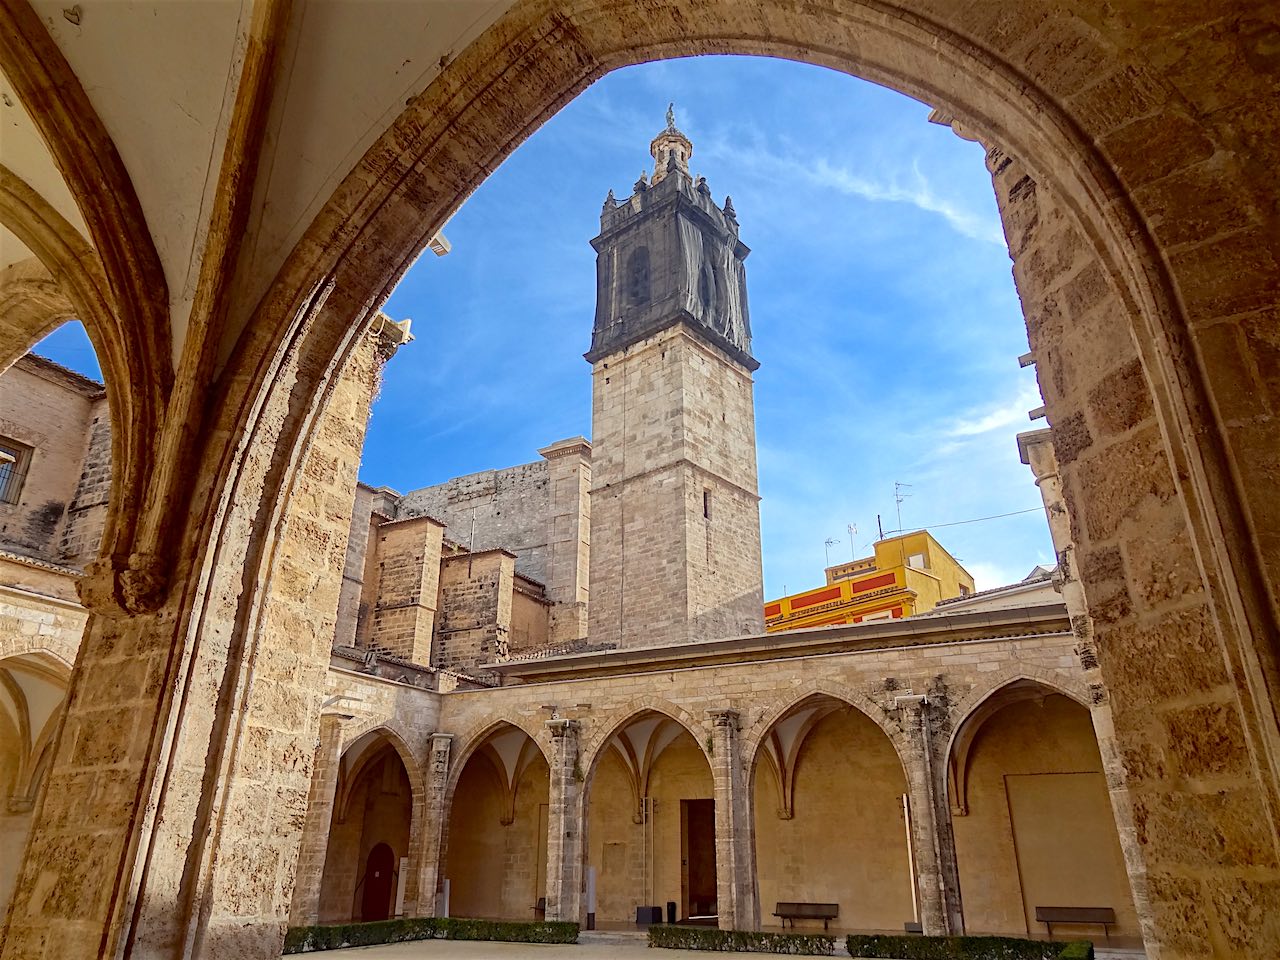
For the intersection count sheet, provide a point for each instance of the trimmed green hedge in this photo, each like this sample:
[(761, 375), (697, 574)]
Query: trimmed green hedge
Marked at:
[(965, 948), (308, 939), (740, 941)]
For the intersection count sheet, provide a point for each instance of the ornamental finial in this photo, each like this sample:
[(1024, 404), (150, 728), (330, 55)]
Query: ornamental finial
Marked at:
[(671, 116)]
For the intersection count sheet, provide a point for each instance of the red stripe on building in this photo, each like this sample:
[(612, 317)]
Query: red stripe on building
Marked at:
[(832, 593), (838, 618), (773, 609), (884, 580), (897, 612)]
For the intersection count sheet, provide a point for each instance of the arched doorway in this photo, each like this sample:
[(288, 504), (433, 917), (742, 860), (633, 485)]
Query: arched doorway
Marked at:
[(380, 874), (831, 818), (369, 834), (495, 858), (1031, 815), (651, 822)]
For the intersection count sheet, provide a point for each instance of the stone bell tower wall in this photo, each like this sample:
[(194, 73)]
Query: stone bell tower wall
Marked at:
[(675, 554)]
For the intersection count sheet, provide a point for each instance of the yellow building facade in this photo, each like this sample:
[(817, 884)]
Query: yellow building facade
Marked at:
[(907, 574)]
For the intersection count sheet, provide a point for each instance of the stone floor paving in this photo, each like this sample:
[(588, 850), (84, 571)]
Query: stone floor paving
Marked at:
[(597, 945)]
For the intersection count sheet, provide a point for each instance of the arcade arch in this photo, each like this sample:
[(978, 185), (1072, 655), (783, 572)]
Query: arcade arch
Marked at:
[(825, 762), (367, 856), (651, 827), (1030, 813), (496, 840), (33, 689)]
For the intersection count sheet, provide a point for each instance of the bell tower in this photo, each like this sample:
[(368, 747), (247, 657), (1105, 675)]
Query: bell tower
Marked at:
[(675, 515)]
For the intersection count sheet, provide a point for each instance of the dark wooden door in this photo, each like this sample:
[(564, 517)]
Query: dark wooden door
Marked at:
[(698, 843)]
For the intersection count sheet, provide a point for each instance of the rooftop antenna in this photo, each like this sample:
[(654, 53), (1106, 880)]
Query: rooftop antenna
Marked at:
[(828, 545), (853, 533), (898, 497)]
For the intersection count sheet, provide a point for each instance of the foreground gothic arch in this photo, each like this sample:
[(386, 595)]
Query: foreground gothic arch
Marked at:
[(1115, 135)]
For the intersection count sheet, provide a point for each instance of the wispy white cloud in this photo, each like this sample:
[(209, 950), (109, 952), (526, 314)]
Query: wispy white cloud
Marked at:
[(747, 147), (916, 191), (980, 420)]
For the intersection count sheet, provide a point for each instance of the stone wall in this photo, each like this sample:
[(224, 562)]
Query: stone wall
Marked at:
[(87, 512), (48, 409), (1178, 753), (474, 623), (404, 591), (569, 535), (530, 617), (675, 514), (492, 510)]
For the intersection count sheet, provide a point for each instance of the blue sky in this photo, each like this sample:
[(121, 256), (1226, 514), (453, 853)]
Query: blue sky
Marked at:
[(882, 306)]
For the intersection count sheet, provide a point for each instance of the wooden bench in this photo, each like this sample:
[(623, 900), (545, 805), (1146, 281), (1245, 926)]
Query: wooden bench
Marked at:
[(1100, 915), (806, 911)]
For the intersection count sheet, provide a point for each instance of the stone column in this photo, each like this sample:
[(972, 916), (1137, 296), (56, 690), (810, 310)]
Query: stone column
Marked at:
[(305, 908), (566, 820), (933, 849), (738, 899), (426, 841)]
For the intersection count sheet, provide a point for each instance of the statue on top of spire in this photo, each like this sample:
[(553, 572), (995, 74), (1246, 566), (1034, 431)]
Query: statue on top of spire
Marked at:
[(670, 149)]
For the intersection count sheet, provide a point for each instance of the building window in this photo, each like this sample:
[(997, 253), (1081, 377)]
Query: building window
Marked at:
[(15, 458), (638, 276), (706, 504)]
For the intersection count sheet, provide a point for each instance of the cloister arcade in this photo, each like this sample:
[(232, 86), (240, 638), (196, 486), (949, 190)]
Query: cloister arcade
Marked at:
[(1023, 813)]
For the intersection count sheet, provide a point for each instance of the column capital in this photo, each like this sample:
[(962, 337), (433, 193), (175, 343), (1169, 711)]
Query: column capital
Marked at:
[(724, 717), (562, 727)]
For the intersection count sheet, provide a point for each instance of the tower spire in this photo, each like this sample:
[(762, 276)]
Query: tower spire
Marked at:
[(670, 146)]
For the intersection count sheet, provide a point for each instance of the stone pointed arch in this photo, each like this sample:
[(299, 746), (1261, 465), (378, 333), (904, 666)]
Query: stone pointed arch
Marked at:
[(1069, 684), (60, 647), (966, 719), (622, 717), (393, 739), (753, 736), (32, 305), (476, 738), (90, 164), (80, 276), (1033, 99)]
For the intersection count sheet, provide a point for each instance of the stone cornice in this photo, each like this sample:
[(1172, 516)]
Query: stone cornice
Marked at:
[(979, 626)]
